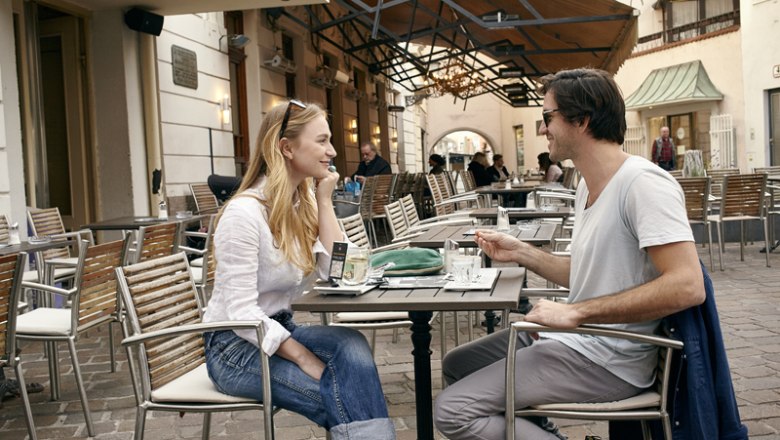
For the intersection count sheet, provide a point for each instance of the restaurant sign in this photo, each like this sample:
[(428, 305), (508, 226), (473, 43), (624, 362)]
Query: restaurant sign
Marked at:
[(185, 67)]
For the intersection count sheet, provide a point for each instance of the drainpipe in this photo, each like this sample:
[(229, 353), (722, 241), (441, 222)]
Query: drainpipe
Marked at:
[(151, 109)]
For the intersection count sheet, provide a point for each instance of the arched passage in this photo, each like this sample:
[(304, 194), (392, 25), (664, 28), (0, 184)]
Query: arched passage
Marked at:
[(459, 144)]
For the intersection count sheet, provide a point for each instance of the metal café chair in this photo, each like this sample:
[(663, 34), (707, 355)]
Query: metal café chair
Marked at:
[(11, 268), (164, 326), (649, 405), (93, 302)]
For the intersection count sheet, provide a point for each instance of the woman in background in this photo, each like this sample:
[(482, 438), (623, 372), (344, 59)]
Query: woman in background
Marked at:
[(273, 238), (552, 172)]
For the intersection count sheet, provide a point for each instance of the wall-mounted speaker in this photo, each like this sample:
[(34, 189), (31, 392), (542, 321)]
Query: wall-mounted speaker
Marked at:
[(144, 21)]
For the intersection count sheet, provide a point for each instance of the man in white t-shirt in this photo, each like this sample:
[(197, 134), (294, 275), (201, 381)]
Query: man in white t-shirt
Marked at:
[(633, 261)]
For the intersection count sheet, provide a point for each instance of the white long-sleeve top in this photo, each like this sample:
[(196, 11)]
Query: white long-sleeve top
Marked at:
[(253, 279)]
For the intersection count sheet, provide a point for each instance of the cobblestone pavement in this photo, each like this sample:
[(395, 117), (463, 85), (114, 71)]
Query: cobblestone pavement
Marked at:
[(748, 295)]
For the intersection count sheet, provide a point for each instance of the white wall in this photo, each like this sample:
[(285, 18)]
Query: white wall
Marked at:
[(760, 52), (721, 58), (186, 114), (12, 201)]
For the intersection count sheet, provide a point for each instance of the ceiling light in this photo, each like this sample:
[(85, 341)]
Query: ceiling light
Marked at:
[(511, 72)]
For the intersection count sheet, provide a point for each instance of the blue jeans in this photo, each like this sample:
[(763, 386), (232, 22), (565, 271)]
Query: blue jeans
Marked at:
[(347, 400)]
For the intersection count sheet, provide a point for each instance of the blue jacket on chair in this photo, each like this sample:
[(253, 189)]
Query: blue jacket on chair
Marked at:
[(702, 405)]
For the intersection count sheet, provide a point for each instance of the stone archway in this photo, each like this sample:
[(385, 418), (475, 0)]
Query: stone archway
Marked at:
[(438, 137)]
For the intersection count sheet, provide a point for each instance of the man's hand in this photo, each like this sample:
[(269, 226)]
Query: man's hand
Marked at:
[(361, 179), (555, 315), (499, 246)]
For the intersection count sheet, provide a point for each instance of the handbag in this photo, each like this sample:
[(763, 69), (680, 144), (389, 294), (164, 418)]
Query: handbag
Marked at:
[(409, 261)]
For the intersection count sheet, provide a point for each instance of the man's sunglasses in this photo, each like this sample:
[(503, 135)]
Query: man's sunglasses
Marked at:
[(286, 118), (547, 116)]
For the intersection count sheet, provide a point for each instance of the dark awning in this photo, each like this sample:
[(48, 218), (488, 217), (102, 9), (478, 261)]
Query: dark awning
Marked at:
[(679, 84)]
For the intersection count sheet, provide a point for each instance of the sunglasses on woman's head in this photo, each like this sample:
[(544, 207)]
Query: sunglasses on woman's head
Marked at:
[(286, 118)]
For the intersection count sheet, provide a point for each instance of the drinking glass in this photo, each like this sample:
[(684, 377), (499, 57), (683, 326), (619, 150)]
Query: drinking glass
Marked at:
[(355, 267)]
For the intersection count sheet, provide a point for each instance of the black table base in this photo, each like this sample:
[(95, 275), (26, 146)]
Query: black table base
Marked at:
[(421, 340)]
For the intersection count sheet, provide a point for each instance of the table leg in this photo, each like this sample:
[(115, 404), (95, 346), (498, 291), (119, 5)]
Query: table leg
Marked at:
[(421, 340)]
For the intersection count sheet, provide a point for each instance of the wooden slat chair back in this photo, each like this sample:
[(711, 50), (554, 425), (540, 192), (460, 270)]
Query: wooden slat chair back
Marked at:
[(205, 200), (743, 195), (404, 184), (422, 201), (48, 222), (437, 196), (467, 179), (163, 295), (743, 199), (381, 194), (410, 211), (697, 204), (366, 194), (3, 229), (716, 184), (649, 405), (157, 241), (677, 174), (97, 299), (11, 269), (355, 229), (394, 213)]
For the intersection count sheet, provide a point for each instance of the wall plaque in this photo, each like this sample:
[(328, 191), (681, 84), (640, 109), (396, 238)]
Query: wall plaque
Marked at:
[(185, 67)]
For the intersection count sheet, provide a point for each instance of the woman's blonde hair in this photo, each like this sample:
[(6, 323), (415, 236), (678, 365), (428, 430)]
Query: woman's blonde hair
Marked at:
[(294, 230)]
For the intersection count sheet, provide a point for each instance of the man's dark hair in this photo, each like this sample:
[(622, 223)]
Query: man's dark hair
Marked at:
[(544, 160), (497, 157), (438, 159), (591, 94)]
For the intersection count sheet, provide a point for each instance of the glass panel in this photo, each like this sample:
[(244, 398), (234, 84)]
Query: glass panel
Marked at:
[(774, 126)]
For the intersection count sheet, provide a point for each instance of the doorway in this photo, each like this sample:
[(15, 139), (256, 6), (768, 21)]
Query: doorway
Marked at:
[(63, 177), (774, 126)]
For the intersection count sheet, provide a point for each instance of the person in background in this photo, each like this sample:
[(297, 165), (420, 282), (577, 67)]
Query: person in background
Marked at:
[(552, 171), (272, 240), (498, 171), (664, 153), (436, 162), (633, 261), (478, 169), (372, 164)]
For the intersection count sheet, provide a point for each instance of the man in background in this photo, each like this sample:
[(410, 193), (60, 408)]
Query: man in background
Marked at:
[(664, 152), (372, 163)]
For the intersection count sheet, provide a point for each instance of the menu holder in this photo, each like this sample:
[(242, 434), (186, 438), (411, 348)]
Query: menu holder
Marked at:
[(344, 290), (485, 280)]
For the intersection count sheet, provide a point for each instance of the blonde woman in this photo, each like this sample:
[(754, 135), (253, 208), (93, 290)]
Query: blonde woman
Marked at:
[(273, 237)]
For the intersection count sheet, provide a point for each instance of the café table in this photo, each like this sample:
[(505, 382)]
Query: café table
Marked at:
[(135, 222), (537, 235), (38, 246), (420, 303), (561, 212)]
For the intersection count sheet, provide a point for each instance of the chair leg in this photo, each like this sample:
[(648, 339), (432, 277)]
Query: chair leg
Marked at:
[(111, 348), (741, 240), (140, 422), (767, 242), (50, 347), (667, 425), (206, 425), (456, 318), (709, 239), (720, 244), (25, 400), (80, 384)]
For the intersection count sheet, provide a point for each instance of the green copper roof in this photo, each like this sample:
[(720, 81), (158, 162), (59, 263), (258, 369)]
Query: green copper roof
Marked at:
[(687, 82)]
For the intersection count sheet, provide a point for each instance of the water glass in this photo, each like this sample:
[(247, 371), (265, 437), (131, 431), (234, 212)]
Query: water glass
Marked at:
[(355, 267), (465, 268)]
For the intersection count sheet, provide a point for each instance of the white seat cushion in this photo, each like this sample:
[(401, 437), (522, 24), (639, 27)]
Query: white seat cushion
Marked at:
[(198, 262), (32, 275), (44, 321), (194, 386), (647, 399), (197, 274)]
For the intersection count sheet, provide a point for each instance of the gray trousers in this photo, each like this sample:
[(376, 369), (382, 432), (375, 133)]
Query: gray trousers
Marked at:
[(472, 406)]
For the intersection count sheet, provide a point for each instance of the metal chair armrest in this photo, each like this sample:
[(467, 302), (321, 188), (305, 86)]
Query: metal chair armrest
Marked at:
[(190, 250), (68, 293), (391, 246), (596, 330), (194, 328)]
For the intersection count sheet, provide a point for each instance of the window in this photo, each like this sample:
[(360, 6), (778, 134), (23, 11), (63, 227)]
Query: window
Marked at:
[(688, 19), (288, 52)]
